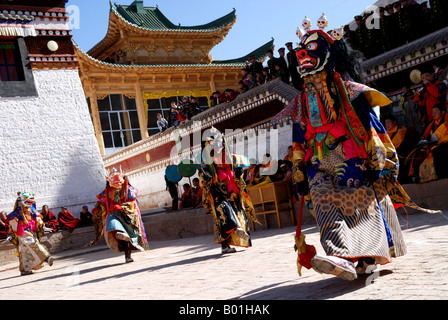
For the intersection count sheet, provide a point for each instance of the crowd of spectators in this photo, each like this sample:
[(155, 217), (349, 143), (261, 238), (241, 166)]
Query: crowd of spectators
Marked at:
[(395, 25), (419, 130), (65, 220), (191, 197), (254, 74)]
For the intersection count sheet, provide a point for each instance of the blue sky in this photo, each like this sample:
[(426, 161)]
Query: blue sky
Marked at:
[(257, 21)]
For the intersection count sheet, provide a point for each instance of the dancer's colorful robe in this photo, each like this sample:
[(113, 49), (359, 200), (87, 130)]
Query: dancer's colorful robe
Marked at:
[(26, 228), (347, 170), (224, 196), (118, 211)]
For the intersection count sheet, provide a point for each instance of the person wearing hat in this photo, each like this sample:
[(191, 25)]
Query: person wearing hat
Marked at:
[(359, 35), (283, 63), (271, 62), (401, 31), (413, 18), (293, 64), (373, 36), (390, 24), (439, 10), (383, 31), (255, 67)]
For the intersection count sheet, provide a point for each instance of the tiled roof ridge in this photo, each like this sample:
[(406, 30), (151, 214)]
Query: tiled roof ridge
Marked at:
[(217, 24), (259, 53)]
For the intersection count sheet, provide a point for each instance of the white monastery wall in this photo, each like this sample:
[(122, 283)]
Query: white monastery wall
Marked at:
[(48, 145)]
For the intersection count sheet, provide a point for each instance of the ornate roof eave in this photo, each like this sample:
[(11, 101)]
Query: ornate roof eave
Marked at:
[(217, 24), (116, 20), (111, 67), (112, 36), (259, 53)]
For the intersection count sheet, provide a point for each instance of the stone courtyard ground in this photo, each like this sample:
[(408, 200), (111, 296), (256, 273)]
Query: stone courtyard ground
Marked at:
[(193, 269)]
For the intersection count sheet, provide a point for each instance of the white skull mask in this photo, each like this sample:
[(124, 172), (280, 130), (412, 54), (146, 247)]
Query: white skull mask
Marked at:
[(337, 33), (322, 22), (306, 24)]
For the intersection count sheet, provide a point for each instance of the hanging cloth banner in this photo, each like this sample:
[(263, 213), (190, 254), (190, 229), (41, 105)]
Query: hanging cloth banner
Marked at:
[(17, 25)]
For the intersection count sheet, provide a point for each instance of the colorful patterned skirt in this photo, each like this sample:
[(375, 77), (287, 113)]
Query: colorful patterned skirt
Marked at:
[(128, 224), (356, 219), (32, 254), (227, 218)]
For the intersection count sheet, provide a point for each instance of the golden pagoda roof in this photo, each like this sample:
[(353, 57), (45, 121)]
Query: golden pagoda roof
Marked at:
[(150, 23)]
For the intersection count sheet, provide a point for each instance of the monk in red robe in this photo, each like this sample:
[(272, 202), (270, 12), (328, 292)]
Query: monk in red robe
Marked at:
[(49, 219), (67, 220)]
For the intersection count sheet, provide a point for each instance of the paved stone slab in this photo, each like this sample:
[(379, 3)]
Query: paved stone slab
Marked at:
[(194, 269)]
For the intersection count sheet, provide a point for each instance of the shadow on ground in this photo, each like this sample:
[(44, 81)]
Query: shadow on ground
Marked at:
[(328, 288)]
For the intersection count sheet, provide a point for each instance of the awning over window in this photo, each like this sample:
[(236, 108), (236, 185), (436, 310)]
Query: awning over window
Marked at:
[(17, 25)]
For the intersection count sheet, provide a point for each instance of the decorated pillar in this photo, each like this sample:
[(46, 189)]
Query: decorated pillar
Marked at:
[(142, 116), (96, 119)]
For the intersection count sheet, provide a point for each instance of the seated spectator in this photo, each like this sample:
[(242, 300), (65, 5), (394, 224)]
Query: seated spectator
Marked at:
[(230, 95), (267, 171), (181, 115), (251, 81), (244, 73), (188, 199), (286, 170), (260, 78), (242, 87), (195, 107), (217, 98), (428, 161), (85, 217), (49, 219), (438, 71), (410, 110), (249, 174), (404, 140), (289, 155), (197, 192), (280, 73), (266, 75), (256, 178), (67, 221), (396, 133), (185, 101), (433, 92), (4, 225)]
